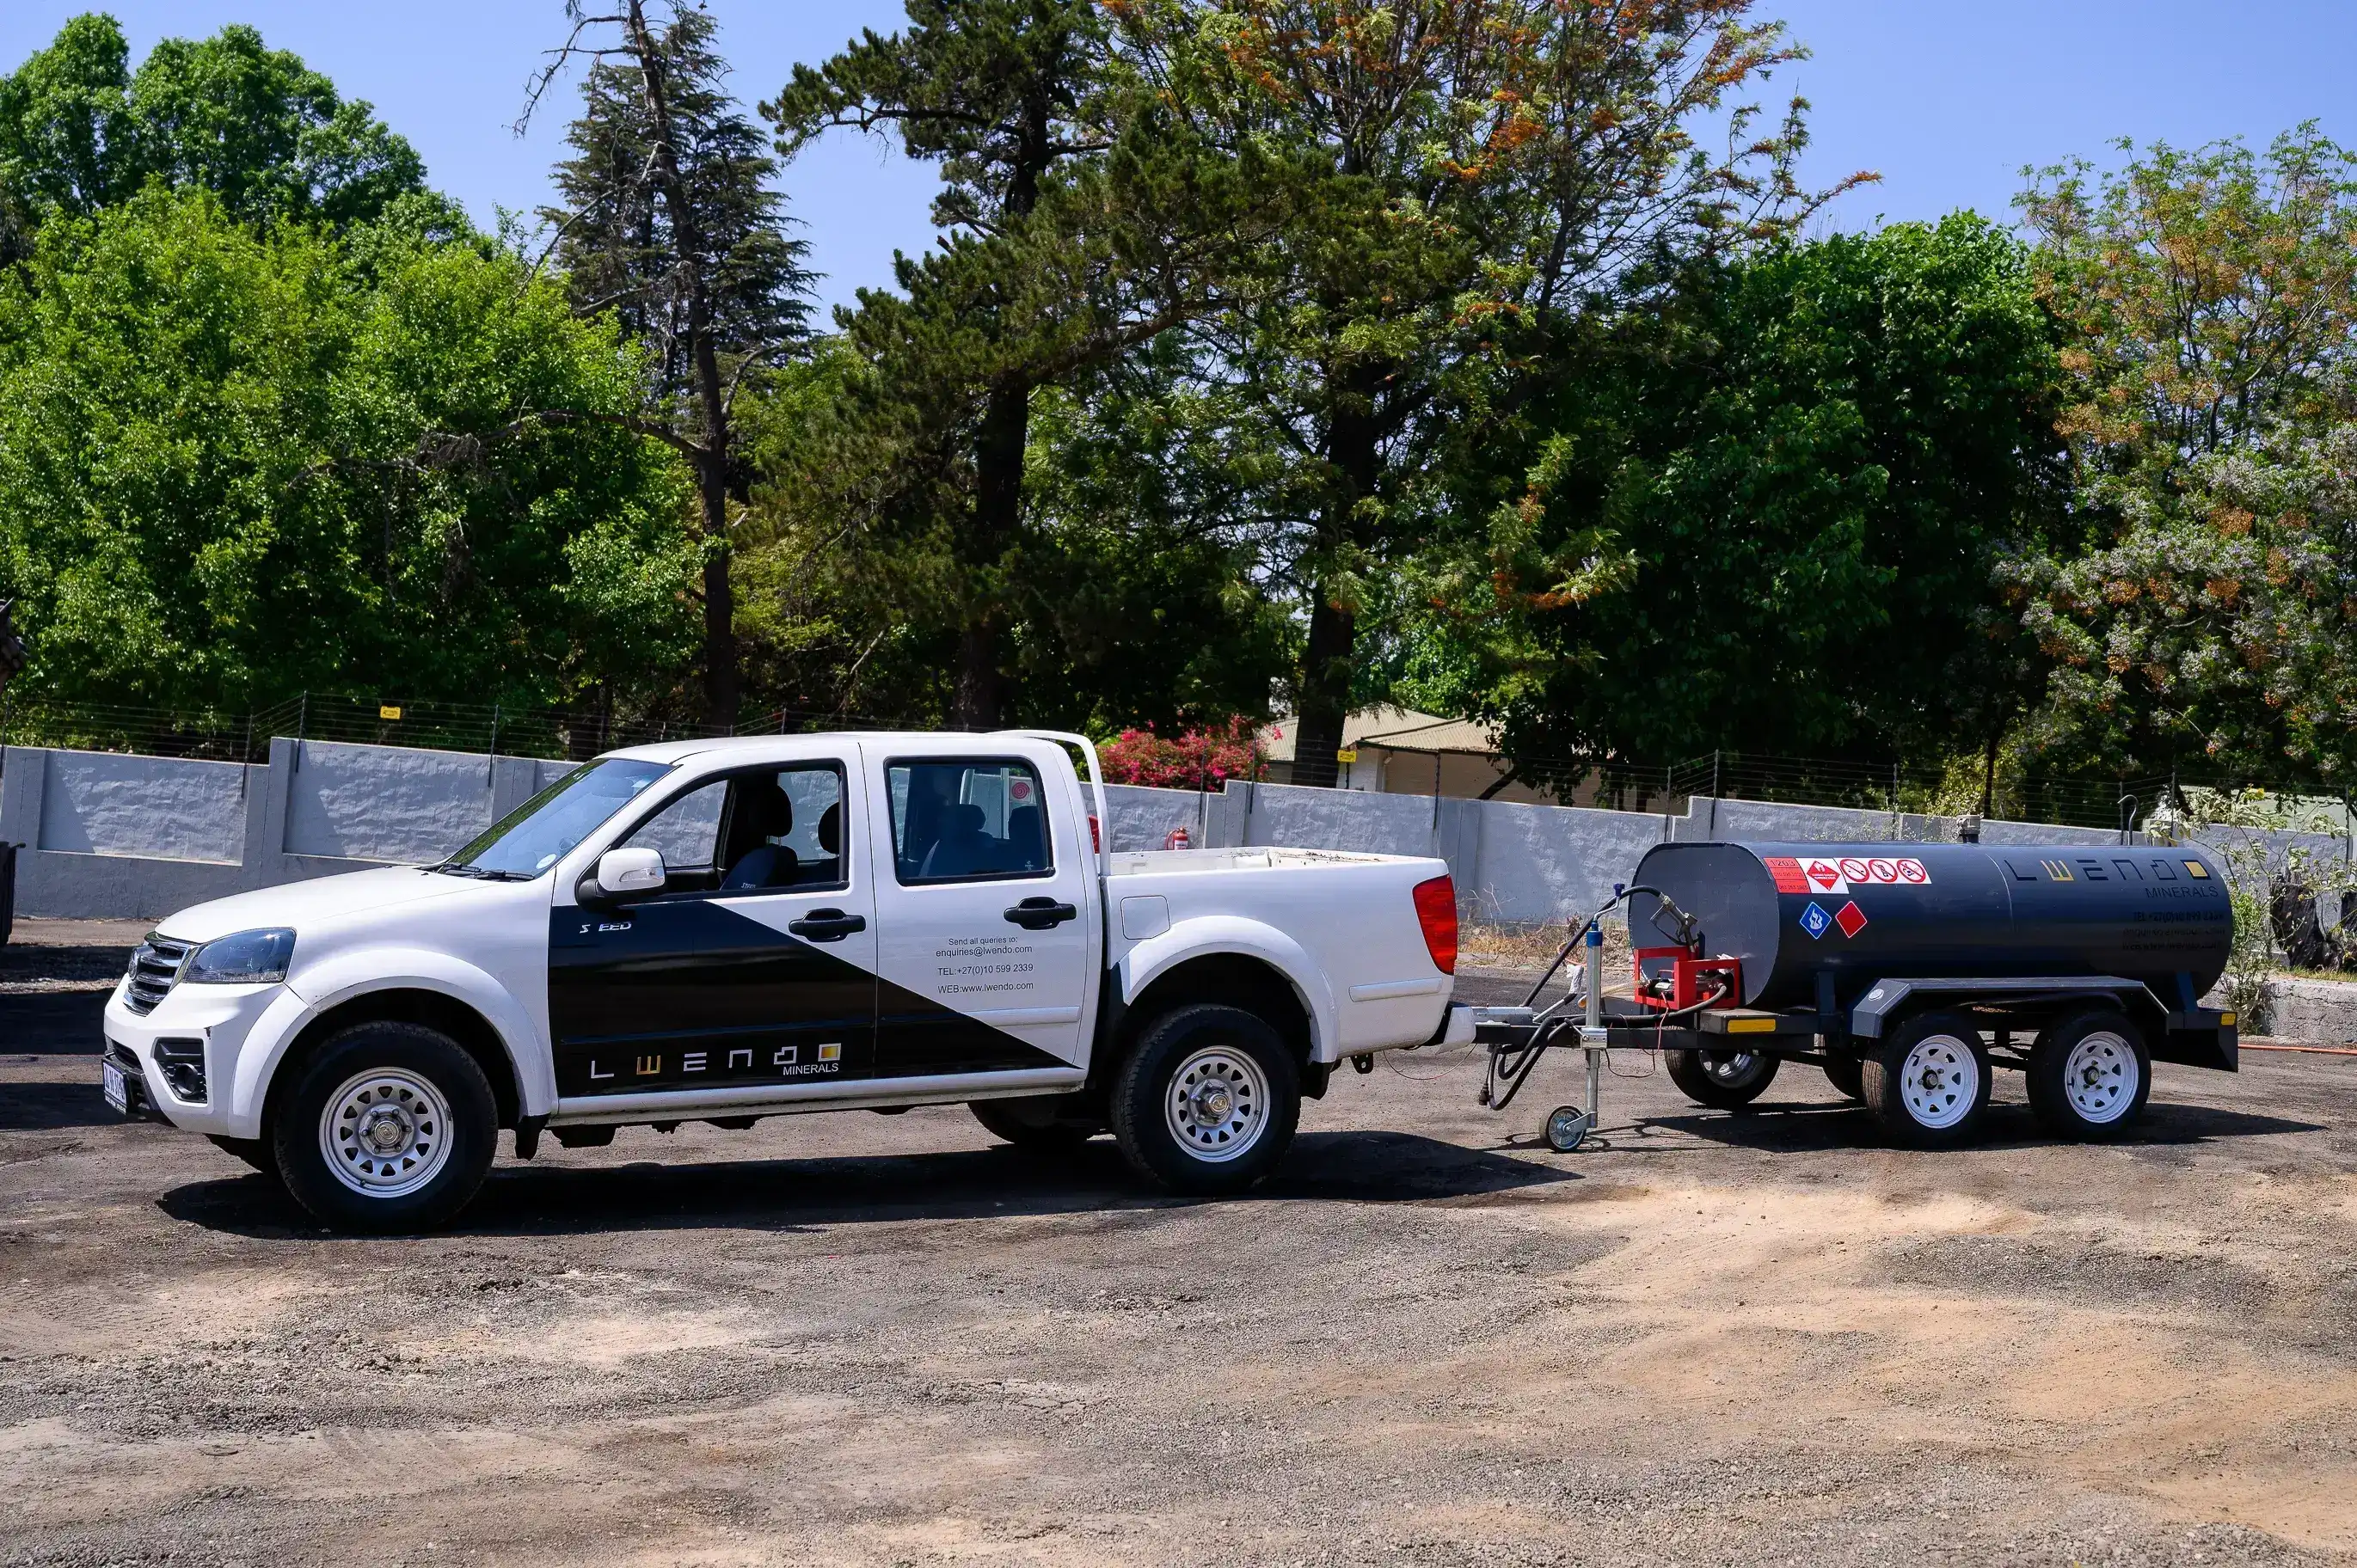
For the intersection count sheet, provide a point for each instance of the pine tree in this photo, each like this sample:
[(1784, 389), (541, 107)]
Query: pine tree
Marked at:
[(671, 220), (995, 90)]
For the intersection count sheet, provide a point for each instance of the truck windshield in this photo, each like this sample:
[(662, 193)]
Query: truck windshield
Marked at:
[(532, 837)]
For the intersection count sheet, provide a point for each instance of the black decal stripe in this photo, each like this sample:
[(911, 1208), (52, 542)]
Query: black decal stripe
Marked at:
[(916, 1036), (688, 993)]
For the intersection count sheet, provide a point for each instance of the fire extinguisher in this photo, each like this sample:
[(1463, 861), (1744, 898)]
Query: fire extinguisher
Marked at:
[(1180, 839)]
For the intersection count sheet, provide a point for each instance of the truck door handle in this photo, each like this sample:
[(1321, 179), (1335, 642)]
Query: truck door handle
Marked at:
[(1041, 914), (827, 925)]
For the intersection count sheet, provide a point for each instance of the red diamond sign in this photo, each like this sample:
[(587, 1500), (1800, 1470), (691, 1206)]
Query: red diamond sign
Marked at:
[(1852, 920)]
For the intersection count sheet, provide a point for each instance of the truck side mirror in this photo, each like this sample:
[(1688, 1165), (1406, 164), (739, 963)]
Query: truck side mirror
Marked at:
[(620, 872)]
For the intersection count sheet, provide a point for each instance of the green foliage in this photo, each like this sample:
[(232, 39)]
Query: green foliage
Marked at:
[(2209, 300), (1457, 176), (80, 132), (1763, 515), (232, 467)]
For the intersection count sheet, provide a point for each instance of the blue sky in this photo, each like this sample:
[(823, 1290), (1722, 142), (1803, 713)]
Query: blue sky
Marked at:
[(1947, 99)]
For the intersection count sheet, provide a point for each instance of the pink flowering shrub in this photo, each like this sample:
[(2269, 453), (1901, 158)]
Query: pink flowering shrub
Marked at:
[(1198, 759)]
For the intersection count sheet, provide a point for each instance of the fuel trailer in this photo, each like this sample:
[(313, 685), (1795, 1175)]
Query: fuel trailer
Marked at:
[(1908, 973)]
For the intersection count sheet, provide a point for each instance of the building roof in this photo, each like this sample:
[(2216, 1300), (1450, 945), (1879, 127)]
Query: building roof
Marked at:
[(1393, 729)]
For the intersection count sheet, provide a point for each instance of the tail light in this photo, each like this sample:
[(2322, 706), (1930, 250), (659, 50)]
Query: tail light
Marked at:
[(1096, 844), (1436, 911)]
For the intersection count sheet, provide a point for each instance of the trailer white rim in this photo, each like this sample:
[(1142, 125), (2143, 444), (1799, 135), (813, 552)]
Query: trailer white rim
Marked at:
[(1941, 1082), (386, 1133), (2099, 1077), (1218, 1104)]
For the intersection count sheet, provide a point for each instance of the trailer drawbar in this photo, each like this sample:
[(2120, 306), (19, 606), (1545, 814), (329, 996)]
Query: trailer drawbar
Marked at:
[(1908, 973)]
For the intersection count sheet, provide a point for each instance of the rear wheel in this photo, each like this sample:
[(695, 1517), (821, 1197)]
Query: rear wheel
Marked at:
[(1723, 1080), (389, 1127), (1044, 1125), (2089, 1075), (1929, 1083), (1846, 1074), (1208, 1101)]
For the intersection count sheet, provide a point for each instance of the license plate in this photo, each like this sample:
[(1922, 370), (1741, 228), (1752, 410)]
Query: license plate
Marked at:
[(118, 1089)]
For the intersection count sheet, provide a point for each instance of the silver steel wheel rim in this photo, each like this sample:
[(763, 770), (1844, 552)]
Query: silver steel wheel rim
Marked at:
[(1218, 1104), (2099, 1077), (1731, 1070), (1939, 1081), (386, 1133)]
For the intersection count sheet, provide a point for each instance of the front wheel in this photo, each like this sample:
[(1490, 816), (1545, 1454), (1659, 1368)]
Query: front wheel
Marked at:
[(1723, 1080), (2089, 1075), (1929, 1083), (1208, 1101), (390, 1127)]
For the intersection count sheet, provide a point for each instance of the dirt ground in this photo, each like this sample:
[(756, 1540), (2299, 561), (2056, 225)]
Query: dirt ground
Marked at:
[(860, 1339)]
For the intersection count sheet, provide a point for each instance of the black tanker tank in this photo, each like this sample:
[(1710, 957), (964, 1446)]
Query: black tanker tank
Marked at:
[(1861, 912)]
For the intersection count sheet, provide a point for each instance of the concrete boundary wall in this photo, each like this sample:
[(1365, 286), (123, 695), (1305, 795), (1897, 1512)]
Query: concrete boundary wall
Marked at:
[(115, 836)]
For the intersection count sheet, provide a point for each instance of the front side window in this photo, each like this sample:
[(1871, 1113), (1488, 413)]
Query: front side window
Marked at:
[(538, 834), (767, 830), (967, 821)]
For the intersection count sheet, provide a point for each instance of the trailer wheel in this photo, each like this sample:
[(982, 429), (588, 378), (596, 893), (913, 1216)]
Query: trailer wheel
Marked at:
[(390, 1127), (2089, 1075), (1040, 1125), (1723, 1080), (1846, 1074), (1208, 1101), (1929, 1083)]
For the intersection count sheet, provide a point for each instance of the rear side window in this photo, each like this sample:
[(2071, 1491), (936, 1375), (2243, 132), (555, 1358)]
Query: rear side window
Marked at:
[(967, 821)]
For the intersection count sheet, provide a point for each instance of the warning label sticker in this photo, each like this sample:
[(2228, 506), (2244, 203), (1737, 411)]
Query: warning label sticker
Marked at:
[(1881, 873), (1826, 875), (1852, 920), (1787, 873), (1815, 921)]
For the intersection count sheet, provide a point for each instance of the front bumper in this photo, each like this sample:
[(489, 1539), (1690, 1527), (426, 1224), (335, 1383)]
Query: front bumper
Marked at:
[(202, 1055)]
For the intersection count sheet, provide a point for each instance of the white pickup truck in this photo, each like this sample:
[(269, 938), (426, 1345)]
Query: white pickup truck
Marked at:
[(719, 930)]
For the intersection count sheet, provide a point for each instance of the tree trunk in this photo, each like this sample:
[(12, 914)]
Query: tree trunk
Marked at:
[(980, 697), (1325, 692), (1353, 462), (720, 681)]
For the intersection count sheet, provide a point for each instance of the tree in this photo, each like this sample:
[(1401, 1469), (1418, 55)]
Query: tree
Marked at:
[(1763, 513), (671, 222), (269, 137), (994, 90), (2210, 303), (1460, 175), (235, 464)]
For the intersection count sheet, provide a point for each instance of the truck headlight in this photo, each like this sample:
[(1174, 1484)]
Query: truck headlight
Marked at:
[(248, 958)]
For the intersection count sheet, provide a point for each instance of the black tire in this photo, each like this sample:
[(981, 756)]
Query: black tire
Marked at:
[(1723, 1080), (1934, 1109), (435, 1159), (2113, 1074), (1040, 1125), (1847, 1075), (256, 1152), (1187, 1046)]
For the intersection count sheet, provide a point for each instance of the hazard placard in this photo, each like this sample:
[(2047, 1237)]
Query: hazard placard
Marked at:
[(1786, 872), (1824, 875)]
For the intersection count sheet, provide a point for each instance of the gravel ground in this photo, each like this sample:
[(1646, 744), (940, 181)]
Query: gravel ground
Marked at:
[(852, 1339)]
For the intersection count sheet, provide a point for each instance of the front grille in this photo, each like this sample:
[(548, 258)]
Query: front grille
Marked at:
[(153, 968)]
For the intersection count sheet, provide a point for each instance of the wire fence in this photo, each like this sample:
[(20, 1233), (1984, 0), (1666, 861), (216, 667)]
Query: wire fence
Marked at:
[(1945, 789)]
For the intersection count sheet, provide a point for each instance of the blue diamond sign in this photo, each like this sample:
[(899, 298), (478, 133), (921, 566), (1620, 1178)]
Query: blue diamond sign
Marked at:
[(1815, 921)]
